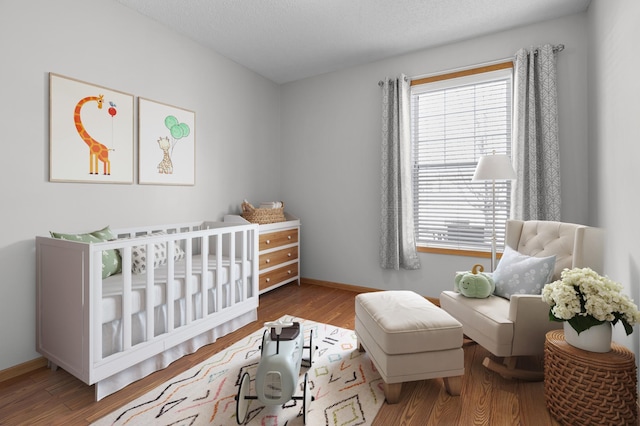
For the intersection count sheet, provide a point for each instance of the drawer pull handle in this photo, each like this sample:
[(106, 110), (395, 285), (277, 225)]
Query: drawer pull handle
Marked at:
[(288, 237), (268, 241), (268, 261), (289, 272), (268, 279), (289, 254)]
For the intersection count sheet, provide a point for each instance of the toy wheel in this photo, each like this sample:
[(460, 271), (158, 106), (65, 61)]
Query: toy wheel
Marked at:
[(306, 399), (264, 342), (242, 403), (311, 348)]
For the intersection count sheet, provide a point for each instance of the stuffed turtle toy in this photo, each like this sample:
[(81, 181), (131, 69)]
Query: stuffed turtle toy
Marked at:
[(475, 283)]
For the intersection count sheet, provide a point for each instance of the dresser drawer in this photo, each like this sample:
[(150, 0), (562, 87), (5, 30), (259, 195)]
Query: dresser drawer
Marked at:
[(276, 276), (276, 239), (273, 258)]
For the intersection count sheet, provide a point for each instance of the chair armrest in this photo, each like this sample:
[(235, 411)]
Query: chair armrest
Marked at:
[(527, 306), (530, 316)]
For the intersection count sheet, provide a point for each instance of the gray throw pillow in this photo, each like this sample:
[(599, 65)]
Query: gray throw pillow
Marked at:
[(521, 274)]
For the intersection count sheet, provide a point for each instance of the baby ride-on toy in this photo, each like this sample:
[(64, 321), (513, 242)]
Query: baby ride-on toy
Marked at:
[(279, 369)]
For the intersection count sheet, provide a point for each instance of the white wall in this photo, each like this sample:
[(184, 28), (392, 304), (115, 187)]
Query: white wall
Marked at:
[(102, 42), (614, 91), (331, 146), (314, 143)]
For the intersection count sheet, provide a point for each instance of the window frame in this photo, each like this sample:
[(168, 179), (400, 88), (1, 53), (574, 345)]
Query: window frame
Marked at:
[(445, 80)]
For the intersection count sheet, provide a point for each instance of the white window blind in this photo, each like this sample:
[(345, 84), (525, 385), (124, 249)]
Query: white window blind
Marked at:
[(453, 123)]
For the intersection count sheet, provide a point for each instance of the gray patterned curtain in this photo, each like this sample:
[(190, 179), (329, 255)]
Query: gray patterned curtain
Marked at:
[(536, 190), (397, 236)]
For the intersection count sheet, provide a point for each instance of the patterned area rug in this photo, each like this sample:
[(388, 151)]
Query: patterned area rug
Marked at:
[(345, 384)]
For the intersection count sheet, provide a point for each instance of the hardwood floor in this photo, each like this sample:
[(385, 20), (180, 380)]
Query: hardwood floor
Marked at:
[(43, 397)]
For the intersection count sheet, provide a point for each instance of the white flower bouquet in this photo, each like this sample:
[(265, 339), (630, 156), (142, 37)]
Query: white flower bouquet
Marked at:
[(584, 299)]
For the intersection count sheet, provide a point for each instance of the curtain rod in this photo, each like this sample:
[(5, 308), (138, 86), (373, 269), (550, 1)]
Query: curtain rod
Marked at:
[(556, 49), (381, 82)]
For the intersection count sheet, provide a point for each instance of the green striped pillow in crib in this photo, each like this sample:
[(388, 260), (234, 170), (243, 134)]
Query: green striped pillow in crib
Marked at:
[(111, 261)]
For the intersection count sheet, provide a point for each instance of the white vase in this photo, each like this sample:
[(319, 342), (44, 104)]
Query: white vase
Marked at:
[(594, 339)]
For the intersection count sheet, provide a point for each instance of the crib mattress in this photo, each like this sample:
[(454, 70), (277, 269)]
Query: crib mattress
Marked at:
[(112, 286)]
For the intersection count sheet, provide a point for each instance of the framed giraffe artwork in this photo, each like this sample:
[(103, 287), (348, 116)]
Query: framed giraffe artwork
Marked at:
[(166, 144), (91, 133)]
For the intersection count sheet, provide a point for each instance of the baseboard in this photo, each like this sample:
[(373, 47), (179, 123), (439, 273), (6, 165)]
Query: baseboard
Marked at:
[(354, 288), (340, 286), (20, 369)]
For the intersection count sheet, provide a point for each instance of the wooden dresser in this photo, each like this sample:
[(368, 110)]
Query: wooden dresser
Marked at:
[(279, 252)]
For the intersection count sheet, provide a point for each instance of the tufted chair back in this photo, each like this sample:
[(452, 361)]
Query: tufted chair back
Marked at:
[(568, 241)]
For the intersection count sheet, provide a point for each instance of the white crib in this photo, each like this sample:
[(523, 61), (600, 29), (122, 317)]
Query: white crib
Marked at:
[(102, 331)]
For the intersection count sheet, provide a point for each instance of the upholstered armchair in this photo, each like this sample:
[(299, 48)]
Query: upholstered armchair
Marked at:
[(516, 326)]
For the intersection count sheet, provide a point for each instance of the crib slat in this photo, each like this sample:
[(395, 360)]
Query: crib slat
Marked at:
[(170, 290), (243, 270), (188, 280), (96, 325), (149, 293), (204, 280), (219, 269), (232, 268), (126, 299)]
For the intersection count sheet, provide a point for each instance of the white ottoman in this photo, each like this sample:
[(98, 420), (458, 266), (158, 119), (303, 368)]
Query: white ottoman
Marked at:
[(409, 338)]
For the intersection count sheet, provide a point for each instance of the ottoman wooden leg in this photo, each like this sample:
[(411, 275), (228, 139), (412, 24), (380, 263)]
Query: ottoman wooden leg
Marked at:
[(361, 348), (392, 392), (453, 385)]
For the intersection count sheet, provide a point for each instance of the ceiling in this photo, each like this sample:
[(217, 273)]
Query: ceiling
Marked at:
[(287, 40)]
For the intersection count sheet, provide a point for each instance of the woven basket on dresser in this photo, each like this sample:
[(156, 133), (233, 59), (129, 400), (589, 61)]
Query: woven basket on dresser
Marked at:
[(263, 215), (589, 388)]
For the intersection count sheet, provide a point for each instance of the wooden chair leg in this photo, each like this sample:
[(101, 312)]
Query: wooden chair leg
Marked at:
[(392, 392), (453, 385), (510, 362)]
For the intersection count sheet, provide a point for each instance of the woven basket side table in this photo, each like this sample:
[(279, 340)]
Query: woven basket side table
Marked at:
[(589, 388)]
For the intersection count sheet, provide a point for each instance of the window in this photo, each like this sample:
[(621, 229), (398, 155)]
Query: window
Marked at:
[(456, 119)]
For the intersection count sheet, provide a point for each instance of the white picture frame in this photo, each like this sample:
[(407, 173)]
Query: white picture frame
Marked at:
[(91, 136), (166, 144)]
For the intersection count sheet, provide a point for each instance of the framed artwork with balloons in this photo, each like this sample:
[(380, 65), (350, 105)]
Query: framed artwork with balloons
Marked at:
[(166, 144), (90, 132)]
